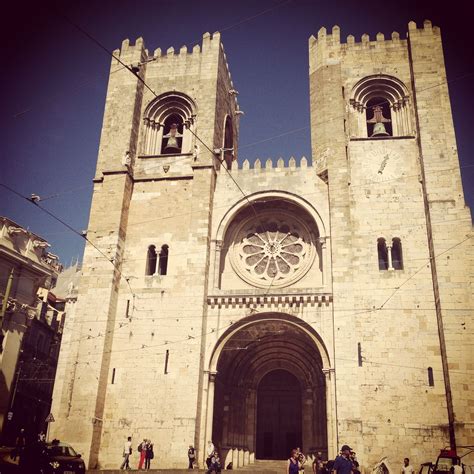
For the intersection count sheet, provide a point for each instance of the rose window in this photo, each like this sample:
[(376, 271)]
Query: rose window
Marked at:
[(274, 249)]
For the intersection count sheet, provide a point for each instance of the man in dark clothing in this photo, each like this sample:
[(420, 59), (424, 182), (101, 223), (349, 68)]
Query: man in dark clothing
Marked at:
[(191, 456), (343, 463)]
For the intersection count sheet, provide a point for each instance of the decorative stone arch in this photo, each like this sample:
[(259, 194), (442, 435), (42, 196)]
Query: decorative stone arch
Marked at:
[(158, 117), (283, 195), (231, 420), (318, 342), (317, 229), (388, 92)]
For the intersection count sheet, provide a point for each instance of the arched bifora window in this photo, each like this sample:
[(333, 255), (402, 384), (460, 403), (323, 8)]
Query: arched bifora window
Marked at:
[(168, 122), (157, 263), (380, 107), (390, 257), (163, 260), (151, 260), (397, 255), (382, 254)]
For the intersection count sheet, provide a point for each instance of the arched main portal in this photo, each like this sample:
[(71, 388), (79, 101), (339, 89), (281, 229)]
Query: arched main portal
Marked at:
[(252, 412)]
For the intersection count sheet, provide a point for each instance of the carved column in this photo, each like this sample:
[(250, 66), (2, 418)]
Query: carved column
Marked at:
[(210, 407), (217, 262), (322, 243), (389, 257), (331, 412)]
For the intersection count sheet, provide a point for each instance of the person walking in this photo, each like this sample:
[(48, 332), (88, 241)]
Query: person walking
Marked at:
[(407, 468), (293, 464), (127, 450), (142, 450), (191, 456), (149, 454), (343, 463), (20, 444)]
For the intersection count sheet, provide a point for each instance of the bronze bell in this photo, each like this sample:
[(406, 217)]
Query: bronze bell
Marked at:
[(379, 129), (378, 120), (172, 145)]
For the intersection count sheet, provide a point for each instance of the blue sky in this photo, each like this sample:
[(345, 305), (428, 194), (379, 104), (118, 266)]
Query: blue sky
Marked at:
[(54, 84)]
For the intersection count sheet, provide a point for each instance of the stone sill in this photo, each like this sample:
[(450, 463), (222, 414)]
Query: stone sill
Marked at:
[(170, 155), (362, 139)]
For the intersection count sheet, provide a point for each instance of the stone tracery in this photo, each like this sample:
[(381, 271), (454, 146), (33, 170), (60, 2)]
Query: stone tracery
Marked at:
[(275, 249)]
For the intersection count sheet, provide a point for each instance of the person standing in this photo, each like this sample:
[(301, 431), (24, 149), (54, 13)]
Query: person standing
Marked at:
[(457, 468), (407, 468), (210, 452), (142, 450), (191, 456), (127, 450), (343, 463), (301, 459), (355, 463), (214, 464), (318, 464), (293, 464), (149, 454)]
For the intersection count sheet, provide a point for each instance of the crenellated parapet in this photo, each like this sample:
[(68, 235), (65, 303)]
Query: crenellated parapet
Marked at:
[(327, 47), (137, 56), (270, 164)]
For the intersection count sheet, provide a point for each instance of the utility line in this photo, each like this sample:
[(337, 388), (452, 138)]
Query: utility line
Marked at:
[(31, 200)]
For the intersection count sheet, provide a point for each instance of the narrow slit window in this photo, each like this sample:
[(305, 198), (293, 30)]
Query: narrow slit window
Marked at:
[(113, 376), (430, 377), (163, 260), (151, 260), (359, 354), (382, 254), (397, 256), (167, 357), (228, 143), (127, 311)]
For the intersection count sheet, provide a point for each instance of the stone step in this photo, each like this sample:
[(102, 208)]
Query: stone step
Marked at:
[(267, 466), (149, 471), (258, 467)]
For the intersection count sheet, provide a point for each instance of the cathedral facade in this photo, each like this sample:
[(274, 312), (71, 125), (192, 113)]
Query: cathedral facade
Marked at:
[(311, 303)]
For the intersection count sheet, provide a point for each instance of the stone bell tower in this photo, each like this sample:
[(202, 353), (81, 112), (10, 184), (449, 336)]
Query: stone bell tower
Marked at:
[(383, 138), (150, 218)]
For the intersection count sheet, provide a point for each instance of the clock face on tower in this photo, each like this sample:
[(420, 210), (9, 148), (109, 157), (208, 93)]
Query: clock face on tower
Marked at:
[(385, 165)]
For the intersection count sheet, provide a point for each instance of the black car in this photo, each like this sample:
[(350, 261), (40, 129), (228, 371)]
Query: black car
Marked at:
[(42, 458), (60, 458)]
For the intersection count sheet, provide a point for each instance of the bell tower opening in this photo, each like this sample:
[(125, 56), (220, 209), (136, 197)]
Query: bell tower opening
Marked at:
[(379, 117), (278, 415)]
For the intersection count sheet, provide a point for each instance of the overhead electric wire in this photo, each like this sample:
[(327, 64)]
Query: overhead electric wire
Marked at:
[(213, 154), (65, 224)]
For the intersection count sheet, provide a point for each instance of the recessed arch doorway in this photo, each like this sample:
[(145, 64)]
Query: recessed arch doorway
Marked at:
[(279, 420), (270, 390)]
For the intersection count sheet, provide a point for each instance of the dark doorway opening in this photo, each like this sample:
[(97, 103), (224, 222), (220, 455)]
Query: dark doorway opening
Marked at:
[(279, 415)]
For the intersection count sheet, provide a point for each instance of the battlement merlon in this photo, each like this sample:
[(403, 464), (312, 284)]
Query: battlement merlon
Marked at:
[(327, 48), (136, 56)]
